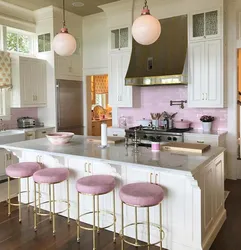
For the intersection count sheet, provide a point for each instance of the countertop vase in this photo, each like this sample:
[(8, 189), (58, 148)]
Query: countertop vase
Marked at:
[(207, 126)]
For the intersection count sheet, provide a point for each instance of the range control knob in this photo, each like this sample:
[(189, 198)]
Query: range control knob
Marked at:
[(151, 138), (130, 135), (169, 138), (158, 138), (174, 138), (145, 137)]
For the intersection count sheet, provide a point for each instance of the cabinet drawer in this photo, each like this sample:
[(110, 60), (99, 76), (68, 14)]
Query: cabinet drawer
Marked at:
[(30, 135), (42, 133), (211, 140), (116, 132)]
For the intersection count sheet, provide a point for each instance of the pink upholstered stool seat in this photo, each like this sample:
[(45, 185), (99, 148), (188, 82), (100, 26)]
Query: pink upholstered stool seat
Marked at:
[(22, 170), (96, 184), (141, 194), (51, 175)]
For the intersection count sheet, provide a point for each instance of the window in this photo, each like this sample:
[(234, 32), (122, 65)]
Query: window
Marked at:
[(44, 43), (19, 41)]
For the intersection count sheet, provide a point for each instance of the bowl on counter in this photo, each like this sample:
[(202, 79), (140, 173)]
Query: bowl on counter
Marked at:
[(60, 138)]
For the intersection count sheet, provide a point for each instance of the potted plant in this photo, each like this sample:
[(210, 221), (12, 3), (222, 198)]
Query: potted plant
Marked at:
[(207, 122)]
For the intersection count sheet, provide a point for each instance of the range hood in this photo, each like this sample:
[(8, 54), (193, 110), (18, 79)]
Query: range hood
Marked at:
[(165, 61)]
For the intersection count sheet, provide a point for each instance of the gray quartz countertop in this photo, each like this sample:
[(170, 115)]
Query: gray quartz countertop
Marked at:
[(181, 163)]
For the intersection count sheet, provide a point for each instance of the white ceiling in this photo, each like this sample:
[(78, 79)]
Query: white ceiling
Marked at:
[(90, 6)]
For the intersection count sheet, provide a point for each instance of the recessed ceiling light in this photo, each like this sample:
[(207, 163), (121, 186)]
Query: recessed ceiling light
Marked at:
[(78, 4)]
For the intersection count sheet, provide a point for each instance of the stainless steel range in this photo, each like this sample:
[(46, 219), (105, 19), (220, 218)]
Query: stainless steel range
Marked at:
[(148, 134)]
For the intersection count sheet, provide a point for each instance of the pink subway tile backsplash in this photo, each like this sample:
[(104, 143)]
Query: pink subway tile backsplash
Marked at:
[(19, 112), (157, 99)]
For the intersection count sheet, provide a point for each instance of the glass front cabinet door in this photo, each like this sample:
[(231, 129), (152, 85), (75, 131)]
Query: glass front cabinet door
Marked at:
[(119, 38), (205, 25)]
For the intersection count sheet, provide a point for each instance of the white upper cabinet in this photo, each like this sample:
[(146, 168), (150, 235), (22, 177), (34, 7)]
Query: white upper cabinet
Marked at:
[(206, 88), (119, 94), (29, 82), (205, 25), (120, 38)]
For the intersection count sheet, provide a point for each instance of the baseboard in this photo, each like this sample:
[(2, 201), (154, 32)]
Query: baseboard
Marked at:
[(215, 230)]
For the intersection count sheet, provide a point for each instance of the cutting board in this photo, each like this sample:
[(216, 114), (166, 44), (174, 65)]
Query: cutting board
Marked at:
[(110, 139), (186, 147)]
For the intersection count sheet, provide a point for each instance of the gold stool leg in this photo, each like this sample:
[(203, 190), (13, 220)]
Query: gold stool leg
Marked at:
[(148, 228), (160, 226), (35, 208), (122, 225), (67, 183), (78, 221), (136, 226), (114, 234), (9, 200), (28, 191), (50, 204), (94, 229), (98, 214), (53, 210), (19, 190), (39, 206)]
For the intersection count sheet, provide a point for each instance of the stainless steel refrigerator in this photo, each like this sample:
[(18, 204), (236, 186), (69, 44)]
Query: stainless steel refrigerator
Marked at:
[(69, 106)]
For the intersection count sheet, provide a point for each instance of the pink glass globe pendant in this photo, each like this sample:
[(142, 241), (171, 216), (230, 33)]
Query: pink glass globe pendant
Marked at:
[(63, 43), (146, 29)]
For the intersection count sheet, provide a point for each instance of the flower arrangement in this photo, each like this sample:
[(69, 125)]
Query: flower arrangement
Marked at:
[(207, 118)]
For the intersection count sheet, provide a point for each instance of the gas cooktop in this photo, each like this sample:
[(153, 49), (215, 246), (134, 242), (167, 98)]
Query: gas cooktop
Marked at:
[(159, 129)]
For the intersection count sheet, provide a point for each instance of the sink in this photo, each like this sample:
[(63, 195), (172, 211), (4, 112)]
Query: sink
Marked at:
[(10, 136)]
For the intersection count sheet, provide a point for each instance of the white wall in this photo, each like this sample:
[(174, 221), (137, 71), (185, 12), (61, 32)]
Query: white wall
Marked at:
[(95, 42)]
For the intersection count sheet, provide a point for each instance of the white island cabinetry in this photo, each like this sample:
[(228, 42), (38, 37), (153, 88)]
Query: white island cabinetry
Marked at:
[(193, 185)]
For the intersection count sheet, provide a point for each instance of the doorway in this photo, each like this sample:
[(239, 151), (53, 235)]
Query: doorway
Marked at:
[(98, 109)]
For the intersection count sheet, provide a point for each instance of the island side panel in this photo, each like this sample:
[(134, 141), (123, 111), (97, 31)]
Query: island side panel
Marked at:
[(211, 181)]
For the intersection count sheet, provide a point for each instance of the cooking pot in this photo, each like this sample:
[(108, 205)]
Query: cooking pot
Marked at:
[(181, 124), (144, 122)]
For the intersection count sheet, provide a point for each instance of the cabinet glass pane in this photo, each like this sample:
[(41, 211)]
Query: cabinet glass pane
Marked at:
[(211, 20), (124, 38), (198, 25), (115, 38)]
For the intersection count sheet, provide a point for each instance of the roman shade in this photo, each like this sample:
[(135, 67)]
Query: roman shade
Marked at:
[(101, 84), (5, 70)]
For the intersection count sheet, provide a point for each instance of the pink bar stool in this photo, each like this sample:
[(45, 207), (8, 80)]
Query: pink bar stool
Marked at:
[(95, 186), (50, 176), (20, 171), (144, 195)]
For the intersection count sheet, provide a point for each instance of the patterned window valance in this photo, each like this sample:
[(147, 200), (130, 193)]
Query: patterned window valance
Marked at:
[(5, 70), (101, 84)]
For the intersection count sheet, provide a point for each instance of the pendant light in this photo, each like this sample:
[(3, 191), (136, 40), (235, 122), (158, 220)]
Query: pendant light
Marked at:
[(146, 29), (63, 43)]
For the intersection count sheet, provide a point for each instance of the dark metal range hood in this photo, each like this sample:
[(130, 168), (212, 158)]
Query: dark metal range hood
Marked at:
[(165, 61)]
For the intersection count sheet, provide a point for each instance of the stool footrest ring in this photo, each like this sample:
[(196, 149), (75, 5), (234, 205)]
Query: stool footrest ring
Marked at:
[(141, 245), (100, 212), (47, 202)]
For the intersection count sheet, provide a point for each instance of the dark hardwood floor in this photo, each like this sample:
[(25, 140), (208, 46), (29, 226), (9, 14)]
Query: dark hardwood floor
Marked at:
[(22, 236)]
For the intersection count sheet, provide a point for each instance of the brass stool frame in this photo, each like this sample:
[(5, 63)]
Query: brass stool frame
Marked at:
[(19, 194), (51, 202), (98, 211), (136, 223)]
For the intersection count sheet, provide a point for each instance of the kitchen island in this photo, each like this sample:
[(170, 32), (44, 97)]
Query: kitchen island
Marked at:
[(193, 208)]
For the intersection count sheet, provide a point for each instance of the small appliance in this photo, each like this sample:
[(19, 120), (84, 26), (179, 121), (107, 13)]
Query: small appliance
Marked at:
[(26, 122)]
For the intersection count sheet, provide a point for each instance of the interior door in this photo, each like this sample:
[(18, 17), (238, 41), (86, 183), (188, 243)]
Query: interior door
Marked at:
[(70, 106)]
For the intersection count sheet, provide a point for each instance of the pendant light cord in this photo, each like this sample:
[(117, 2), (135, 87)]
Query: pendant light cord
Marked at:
[(63, 14)]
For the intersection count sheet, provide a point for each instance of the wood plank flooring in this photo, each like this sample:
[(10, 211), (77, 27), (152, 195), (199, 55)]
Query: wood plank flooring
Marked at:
[(15, 236)]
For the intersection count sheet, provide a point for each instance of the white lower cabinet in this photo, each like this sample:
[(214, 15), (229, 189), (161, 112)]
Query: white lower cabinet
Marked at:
[(6, 159)]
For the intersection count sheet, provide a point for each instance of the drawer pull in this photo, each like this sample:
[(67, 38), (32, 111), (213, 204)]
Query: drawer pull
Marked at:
[(200, 141), (86, 167), (156, 178), (151, 177), (44, 132), (89, 165), (115, 134)]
